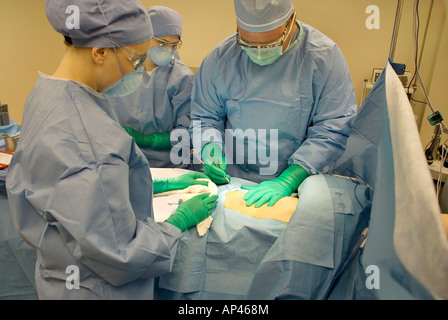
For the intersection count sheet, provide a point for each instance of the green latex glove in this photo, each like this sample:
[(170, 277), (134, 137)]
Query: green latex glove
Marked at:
[(273, 190), (167, 184), (215, 164), (193, 211), (155, 140)]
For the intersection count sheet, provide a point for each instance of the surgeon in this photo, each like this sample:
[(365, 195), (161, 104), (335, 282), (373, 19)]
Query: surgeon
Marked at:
[(162, 101), (80, 190), (272, 103)]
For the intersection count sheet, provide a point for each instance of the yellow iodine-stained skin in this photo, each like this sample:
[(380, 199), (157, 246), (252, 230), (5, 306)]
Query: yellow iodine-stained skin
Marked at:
[(282, 210)]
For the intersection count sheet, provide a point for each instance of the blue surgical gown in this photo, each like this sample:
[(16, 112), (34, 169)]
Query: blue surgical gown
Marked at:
[(160, 104), (80, 192), (298, 110)]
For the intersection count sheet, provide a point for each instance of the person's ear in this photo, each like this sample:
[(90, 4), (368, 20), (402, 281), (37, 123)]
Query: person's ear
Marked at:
[(99, 55)]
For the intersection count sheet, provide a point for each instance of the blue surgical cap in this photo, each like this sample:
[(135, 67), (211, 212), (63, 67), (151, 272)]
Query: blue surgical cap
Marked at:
[(262, 15), (87, 22), (165, 21)]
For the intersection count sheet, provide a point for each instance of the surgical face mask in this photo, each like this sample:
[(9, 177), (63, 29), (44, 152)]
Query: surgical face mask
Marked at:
[(126, 85), (161, 56), (264, 56), (267, 56)]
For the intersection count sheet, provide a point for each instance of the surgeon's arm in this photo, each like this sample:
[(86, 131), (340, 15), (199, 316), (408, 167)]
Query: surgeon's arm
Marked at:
[(208, 117), (215, 164), (155, 140), (273, 190), (331, 123), (167, 184)]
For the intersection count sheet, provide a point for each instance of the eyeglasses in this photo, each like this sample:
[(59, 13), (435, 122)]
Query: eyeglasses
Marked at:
[(167, 44), (135, 59), (133, 56), (274, 44)]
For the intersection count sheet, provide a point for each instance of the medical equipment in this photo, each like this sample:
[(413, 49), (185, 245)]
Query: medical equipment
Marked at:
[(133, 56), (405, 79), (432, 151), (4, 115), (166, 44), (214, 162), (216, 172), (5, 159), (9, 136), (202, 162), (10, 142), (161, 56), (443, 151), (398, 67), (127, 84), (435, 117)]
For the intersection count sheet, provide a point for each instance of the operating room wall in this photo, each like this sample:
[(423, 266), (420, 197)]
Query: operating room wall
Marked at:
[(29, 44)]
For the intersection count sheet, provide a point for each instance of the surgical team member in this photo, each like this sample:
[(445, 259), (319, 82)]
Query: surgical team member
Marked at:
[(277, 89), (162, 102), (80, 190)]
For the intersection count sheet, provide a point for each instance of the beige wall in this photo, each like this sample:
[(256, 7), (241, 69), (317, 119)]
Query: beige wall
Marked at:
[(29, 44)]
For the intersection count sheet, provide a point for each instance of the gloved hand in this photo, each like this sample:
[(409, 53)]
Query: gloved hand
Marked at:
[(193, 211), (274, 190), (215, 164), (167, 184), (155, 140)]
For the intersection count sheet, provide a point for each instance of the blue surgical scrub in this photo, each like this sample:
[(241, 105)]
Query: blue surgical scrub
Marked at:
[(297, 110), (80, 192), (160, 104)]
